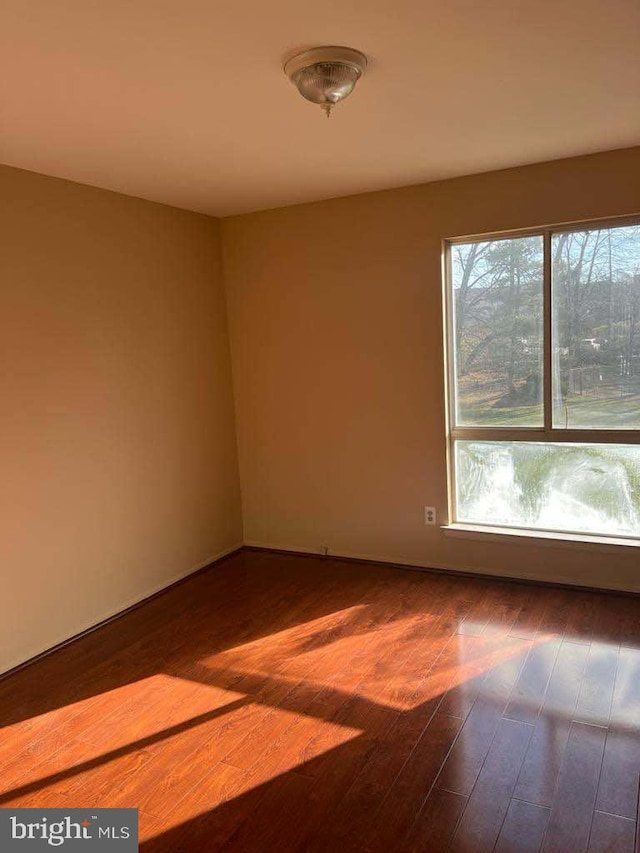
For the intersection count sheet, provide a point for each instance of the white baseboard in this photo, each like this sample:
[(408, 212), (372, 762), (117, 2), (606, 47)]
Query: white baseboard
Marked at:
[(120, 608)]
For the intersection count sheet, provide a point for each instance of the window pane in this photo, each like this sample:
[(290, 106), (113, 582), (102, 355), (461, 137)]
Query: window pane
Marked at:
[(569, 487), (497, 332), (596, 321)]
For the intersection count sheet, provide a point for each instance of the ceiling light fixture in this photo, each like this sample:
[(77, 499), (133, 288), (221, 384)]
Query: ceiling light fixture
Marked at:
[(326, 75)]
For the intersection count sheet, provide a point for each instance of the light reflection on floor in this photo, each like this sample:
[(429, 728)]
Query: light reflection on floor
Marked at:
[(268, 726)]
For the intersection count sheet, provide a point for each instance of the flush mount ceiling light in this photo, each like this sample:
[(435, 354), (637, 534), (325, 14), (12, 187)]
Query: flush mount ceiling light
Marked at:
[(326, 75)]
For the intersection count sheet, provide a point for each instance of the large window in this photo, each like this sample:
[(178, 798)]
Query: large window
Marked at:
[(544, 379)]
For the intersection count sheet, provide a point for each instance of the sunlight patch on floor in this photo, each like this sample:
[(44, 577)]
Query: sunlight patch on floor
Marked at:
[(301, 638), (312, 737)]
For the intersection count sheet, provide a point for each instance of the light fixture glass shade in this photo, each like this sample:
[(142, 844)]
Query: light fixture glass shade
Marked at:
[(326, 82), (326, 75)]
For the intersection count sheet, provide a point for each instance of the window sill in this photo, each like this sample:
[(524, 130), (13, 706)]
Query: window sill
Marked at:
[(543, 537)]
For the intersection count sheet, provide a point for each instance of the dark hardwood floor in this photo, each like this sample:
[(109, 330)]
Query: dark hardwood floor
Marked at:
[(294, 704)]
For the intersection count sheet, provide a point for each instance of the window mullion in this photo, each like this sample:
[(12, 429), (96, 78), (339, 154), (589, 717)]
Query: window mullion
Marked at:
[(547, 336), (554, 436)]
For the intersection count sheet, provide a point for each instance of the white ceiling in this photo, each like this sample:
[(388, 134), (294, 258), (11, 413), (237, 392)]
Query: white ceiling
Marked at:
[(185, 102)]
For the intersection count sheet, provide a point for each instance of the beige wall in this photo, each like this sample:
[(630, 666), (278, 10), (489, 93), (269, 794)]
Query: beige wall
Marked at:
[(118, 446), (118, 453), (336, 334)]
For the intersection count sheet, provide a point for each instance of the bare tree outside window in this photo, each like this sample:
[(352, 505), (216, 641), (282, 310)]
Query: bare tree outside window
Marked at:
[(596, 309), (497, 305)]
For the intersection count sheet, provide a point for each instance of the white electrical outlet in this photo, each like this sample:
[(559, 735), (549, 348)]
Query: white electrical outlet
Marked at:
[(430, 515)]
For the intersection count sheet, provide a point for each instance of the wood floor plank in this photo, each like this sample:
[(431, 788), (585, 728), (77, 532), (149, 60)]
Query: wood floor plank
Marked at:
[(300, 704), (474, 623), (558, 616), (582, 616), (528, 695), (575, 796), (489, 802), (529, 619), (620, 774), (473, 653), (436, 822), (612, 834), (629, 623), (523, 828), (413, 784), (541, 767), (608, 626), (210, 814), (508, 602), (465, 761), (625, 707), (464, 764), (278, 824), (596, 692), (411, 666)]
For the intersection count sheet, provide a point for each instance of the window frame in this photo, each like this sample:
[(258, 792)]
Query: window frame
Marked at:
[(546, 433)]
